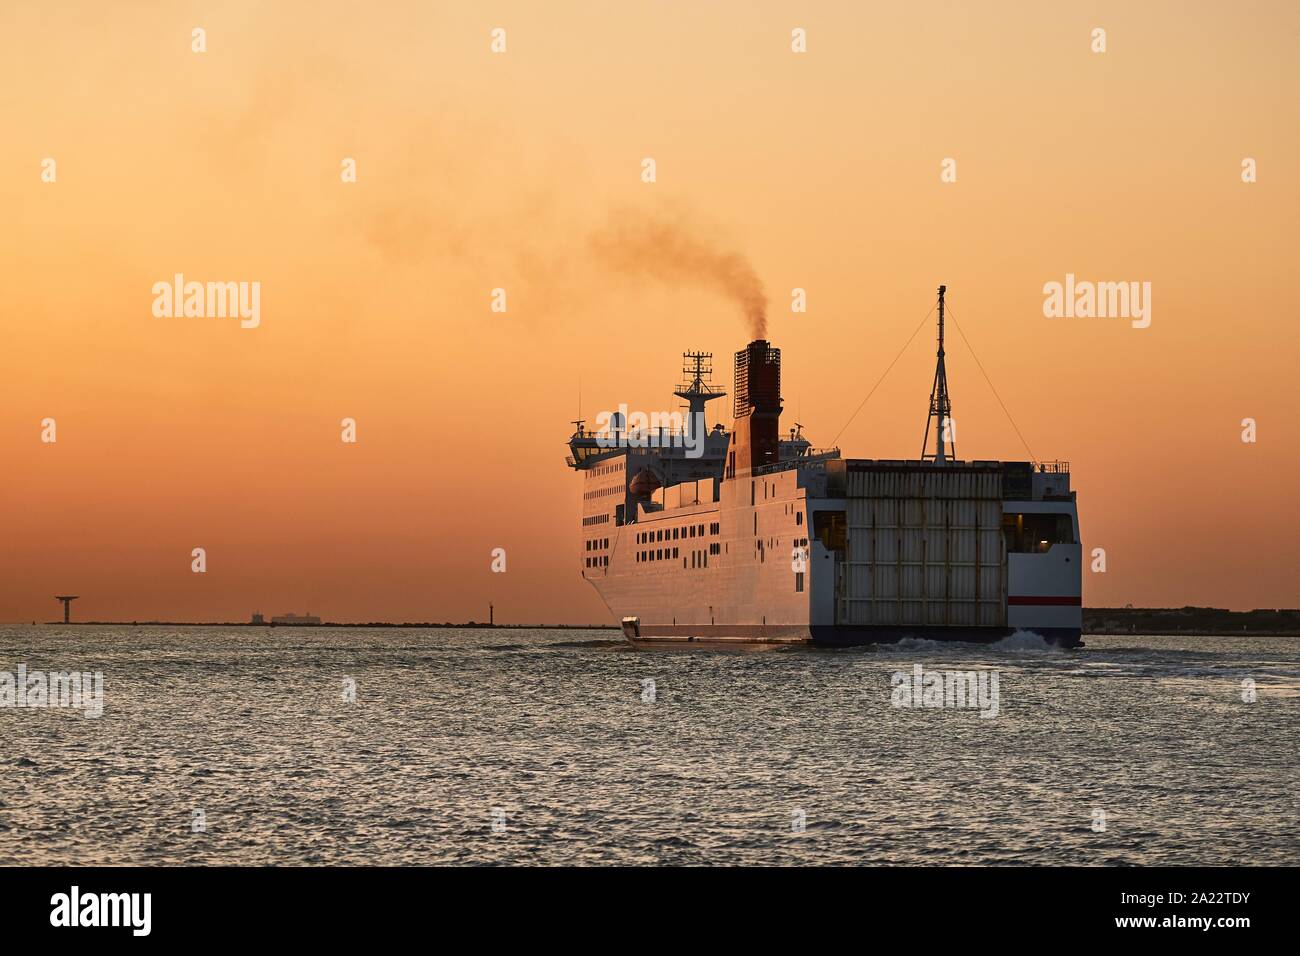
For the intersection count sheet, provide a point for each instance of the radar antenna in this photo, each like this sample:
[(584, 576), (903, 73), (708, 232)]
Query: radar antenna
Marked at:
[(697, 368)]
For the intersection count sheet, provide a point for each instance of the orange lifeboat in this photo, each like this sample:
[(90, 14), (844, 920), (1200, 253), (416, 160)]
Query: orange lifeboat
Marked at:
[(644, 484)]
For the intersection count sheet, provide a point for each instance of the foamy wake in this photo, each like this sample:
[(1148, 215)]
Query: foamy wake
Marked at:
[(1024, 641), (1019, 641)]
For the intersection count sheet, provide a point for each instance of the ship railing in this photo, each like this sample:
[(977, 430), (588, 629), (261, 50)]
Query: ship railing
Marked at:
[(648, 435), (1052, 467), (667, 446), (815, 456)]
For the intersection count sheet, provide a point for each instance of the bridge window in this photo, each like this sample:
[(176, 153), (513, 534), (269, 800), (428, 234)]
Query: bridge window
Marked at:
[(1036, 533), (830, 528)]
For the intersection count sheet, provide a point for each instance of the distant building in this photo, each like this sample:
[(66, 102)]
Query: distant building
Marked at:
[(257, 618), (296, 619)]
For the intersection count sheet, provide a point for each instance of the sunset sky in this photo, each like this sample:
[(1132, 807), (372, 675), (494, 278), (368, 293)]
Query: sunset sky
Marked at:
[(479, 170)]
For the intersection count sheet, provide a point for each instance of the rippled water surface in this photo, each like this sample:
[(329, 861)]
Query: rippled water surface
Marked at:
[(549, 731)]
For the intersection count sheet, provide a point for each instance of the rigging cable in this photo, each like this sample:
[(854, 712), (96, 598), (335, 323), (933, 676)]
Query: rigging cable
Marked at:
[(884, 373), (980, 366)]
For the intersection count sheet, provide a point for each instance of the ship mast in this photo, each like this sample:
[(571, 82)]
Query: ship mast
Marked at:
[(697, 368), (940, 406)]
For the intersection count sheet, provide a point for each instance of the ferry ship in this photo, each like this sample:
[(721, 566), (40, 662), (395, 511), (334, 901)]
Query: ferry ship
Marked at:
[(750, 535)]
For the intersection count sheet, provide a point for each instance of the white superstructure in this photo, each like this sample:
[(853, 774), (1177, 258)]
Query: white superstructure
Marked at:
[(763, 539)]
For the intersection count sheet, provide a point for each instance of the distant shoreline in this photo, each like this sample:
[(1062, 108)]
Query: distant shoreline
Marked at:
[(376, 624), (1099, 621), (1206, 621)]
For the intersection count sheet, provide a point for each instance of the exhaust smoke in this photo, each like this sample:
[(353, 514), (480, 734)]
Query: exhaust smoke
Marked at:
[(670, 251)]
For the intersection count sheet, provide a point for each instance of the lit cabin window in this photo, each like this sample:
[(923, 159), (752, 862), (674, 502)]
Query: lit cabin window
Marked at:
[(1026, 533)]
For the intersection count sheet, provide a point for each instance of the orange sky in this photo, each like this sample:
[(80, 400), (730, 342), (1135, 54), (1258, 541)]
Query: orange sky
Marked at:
[(479, 170)]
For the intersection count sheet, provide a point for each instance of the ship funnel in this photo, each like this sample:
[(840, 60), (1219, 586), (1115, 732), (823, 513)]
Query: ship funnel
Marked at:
[(755, 436)]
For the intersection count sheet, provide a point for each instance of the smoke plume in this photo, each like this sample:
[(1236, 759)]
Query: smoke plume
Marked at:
[(673, 252)]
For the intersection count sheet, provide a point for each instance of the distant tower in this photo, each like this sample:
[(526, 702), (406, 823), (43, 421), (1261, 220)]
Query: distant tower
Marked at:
[(697, 367), (67, 600), (940, 405), (491, 616)]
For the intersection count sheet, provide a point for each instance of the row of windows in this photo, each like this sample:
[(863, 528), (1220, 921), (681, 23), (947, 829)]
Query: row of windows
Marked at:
[(657, 554), (595, 519), (607, 469), (699, 558), (603, 492), (671, 534)]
